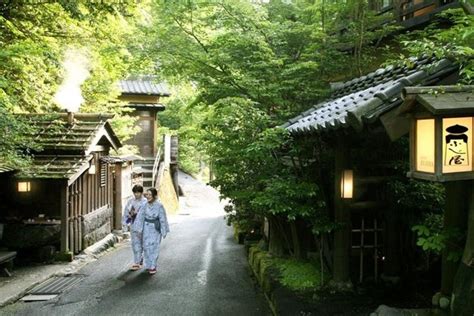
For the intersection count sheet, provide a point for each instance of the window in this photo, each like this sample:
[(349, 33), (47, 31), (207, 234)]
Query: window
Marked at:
[(103, 174)]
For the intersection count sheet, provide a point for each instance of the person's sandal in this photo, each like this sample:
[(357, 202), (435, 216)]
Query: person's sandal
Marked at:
[(152, 271), (135, 267)]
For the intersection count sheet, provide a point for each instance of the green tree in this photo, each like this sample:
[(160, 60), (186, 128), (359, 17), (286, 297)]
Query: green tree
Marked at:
[(35, 37)]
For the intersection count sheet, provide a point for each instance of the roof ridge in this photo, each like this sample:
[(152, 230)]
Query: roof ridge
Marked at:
[(422, 60)]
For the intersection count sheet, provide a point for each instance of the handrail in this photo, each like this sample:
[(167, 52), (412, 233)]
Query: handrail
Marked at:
[(159, 178), (156, 164)]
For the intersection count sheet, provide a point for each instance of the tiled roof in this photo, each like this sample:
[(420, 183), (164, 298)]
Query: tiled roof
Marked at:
[(145, 86), (56, 166), (66, 146), (54, 133), (363, 100), (4, 169), (158, 106)]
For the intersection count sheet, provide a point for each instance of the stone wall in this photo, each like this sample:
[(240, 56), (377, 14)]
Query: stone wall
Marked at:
[(167, 193), (96, 225)]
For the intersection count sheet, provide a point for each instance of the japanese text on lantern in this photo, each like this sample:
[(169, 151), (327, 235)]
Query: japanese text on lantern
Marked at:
[(457, 144)]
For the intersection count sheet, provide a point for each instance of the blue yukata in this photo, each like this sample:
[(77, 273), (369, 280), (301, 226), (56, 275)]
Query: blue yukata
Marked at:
[(137, 205), (154, 225)]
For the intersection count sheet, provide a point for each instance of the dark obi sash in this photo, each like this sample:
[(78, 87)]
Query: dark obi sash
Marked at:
[(155, 221)]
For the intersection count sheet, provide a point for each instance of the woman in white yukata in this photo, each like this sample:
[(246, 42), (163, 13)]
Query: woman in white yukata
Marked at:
[(134, 206), (153, 225)]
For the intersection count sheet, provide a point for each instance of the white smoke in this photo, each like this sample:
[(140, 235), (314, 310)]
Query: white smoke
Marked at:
[(76, 67)]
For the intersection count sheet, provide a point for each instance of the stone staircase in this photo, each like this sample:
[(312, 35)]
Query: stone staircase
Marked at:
[(147, 165)]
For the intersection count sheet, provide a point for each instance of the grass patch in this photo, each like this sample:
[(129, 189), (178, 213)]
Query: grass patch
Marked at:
[(298, 275)]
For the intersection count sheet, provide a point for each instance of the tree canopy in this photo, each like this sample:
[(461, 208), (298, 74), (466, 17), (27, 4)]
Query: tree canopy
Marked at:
[(35, 36)]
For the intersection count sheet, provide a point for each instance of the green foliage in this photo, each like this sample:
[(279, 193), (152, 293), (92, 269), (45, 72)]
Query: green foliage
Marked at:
[(253, 66), (455, 42), (298, 275), (34, 36), (13, 141), (243, 219), (432, 238), (182, 119), (417, 196)]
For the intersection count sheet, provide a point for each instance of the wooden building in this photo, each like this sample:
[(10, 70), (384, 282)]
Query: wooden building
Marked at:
[(69, 183), (143, 95), (411, 13), (361, 114)]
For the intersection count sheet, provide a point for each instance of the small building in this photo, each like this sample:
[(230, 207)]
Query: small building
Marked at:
[(143, 95), (159, 165), (66, 195)]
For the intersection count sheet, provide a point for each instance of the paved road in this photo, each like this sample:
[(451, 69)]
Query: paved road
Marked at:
[(202, 271)]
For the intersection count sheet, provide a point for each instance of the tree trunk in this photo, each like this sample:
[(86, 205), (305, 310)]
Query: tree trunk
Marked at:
[(276, 243), (463, 293), (297, 251)]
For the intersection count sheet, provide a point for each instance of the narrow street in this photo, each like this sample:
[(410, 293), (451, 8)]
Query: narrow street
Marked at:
[(201, 271)]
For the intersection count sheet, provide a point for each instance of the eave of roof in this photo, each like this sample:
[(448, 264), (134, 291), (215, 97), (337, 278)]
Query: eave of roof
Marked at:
[(143, 86), (5, 169), (440, 100), (59, 167), (363, 100), (156, 106)]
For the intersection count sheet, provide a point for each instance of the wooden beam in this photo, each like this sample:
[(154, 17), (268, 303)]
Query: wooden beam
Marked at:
[(463, 293), (341, 215), (118, 197), (455, 215), (64, 218)]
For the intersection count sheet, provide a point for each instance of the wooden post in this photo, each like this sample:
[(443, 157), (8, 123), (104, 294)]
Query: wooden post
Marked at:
[(75, 216), (341, 216), (167, 151), (154, 126), (361, 258), (64, 218), (117, 183), (376, 248), (454, 218), (463, 293)]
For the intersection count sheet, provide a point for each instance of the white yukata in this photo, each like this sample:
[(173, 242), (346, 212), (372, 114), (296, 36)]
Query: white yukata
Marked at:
[(138, 205), (153, 213)]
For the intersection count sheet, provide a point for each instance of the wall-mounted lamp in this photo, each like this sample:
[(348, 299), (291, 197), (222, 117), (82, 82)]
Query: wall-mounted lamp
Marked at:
[(24, 186), (347, 184)]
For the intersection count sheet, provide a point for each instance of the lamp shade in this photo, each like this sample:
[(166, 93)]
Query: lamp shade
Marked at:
[(24, 186), (347, 184)]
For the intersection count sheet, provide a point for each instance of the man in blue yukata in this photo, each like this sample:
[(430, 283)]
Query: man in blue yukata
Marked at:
[(152, 226), (134, 206)]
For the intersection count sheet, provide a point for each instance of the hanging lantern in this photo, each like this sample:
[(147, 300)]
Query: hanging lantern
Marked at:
[(347, 184), (441, 132)]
